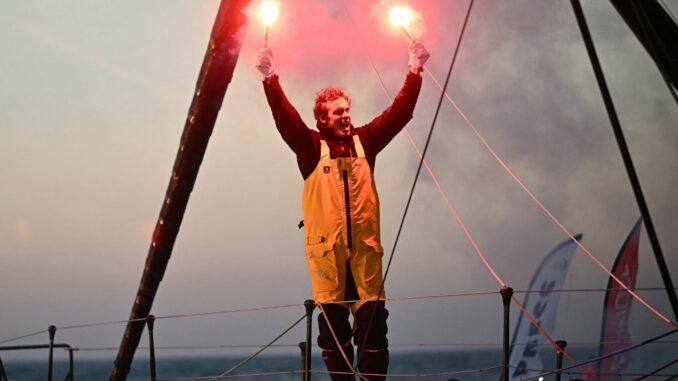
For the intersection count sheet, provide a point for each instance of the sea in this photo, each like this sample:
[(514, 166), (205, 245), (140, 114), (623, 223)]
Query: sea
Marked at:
[(444, 365)]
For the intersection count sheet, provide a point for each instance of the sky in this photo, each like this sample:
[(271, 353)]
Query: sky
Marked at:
[(94, 97)]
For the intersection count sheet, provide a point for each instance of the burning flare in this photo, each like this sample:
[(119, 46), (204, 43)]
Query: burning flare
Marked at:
[(268, 12), (401, 15)]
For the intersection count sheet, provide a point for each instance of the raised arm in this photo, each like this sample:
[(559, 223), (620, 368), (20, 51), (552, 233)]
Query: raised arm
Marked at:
[(381, 130), (287, 120)]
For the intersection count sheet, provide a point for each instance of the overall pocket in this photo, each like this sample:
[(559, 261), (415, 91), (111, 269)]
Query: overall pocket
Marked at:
[(321, 264), (373, 256)]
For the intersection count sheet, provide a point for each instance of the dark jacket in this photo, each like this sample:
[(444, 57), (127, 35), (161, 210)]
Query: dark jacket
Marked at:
[(374, 136)]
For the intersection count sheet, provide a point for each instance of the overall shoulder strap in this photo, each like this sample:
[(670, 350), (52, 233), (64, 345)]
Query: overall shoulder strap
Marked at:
[(358, 147), (324, 150)]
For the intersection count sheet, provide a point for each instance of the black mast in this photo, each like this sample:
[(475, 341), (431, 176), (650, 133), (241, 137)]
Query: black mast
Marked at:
[(656, 30), (626, 156), (215, 75)]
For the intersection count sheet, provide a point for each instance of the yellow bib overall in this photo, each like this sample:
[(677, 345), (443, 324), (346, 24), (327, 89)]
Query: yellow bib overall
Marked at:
[(341, 224)]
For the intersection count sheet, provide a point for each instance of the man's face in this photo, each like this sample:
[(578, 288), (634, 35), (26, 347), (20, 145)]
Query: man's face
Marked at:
[(338, 117)]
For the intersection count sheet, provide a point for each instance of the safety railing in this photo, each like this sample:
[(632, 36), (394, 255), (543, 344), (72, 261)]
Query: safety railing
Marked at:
[(70, 376), (305, 371)]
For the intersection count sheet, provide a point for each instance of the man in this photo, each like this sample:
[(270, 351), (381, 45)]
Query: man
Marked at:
[(341, 211)]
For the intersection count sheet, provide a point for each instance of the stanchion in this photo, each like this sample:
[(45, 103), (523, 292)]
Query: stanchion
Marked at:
[(302, 347), (52, 332), (506, 293), (561, 344), (3, 374), (71, 372), (310, 305), (150, 320)]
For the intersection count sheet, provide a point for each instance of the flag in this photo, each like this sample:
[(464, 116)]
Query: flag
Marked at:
[(543, 306), (617, 308)]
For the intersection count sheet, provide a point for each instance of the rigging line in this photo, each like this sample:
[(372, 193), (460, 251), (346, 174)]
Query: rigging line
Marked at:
[(549, 338), (640, 11), (336, 341), (235, 375), (545, 209), (403, 298), (436, 374), (462, 224), (464, 227), (668, 11), (255, 354), (654, 372), (611, 354), (400, 345), (628, 165), (481, 293), (23, 336), (416, 176), (593, 289), (250, 309), (112, 322), (440, 188), (447, 373), (602, 374)]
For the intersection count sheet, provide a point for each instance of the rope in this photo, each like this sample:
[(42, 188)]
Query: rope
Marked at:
[(392, 345), (601, 374), (593, 289), (439, 186), (233, 376), (544, 208), (611, 354), (654, 372), (402, 298), (436, 374), (263, 308), (549, 338), (416, 176), (255, 354), (23, 336), (456, 216), (235, 310), (452, 209), (87, 325), (229, 311)]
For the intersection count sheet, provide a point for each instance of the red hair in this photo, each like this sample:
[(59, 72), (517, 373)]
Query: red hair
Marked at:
[(325, 95)]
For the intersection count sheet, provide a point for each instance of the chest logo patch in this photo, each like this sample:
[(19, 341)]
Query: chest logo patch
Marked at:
[(326, 169)]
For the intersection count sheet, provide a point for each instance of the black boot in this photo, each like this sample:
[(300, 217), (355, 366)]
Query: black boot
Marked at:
[(339, 326), (370, 338), (373, 362), (335, 362)]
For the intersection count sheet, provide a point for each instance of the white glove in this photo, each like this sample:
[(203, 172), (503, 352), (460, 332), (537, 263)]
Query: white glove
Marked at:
[(418, 55), (265, 62)]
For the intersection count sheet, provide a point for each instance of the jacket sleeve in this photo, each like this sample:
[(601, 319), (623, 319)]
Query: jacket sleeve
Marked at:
[(287, 120), (382, 129)]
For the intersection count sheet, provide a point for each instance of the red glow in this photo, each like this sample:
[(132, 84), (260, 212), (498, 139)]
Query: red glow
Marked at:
[(400, 15), (268, 12), (329, 42)]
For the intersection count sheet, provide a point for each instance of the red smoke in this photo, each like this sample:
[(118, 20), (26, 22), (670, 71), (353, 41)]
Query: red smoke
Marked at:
[(315, 37)]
